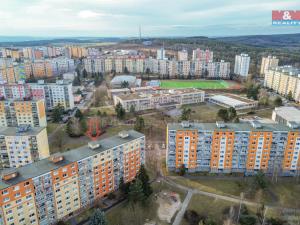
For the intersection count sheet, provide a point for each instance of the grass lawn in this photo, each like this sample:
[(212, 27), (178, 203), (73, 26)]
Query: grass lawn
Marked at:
[(110, 111), (125, 214), (204, 84), (204, 112), (211, 207), (284, 193), (265, 113), (51, 127)]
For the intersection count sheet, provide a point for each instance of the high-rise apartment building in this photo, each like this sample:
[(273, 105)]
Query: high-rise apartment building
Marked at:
[(241, 66), (53, 93), (15, 113), (59, 93), (268, 63), (57, 187), (76, 51), (203, 55), (28, 53), (23, 145), (285, 80), (39, 69), (234, 147), (182, 55), (94, 65), (161, 54), (184, 68), (62, 65)]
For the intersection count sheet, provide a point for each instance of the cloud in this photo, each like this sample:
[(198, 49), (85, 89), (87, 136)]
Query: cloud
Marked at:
[(85, 14), (122, 17)]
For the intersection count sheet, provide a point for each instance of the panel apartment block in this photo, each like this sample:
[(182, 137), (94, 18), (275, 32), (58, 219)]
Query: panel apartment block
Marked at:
[(57, 187), (234, 147), (22, 145), (15, 113)]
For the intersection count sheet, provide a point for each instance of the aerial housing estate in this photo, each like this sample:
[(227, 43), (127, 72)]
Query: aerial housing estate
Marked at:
[(200, 66)]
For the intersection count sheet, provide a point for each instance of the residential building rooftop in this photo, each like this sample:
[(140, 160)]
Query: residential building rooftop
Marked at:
[(253, 126), (46, 165), (290, 70), (288, 112), (158, 93), (24, 130)]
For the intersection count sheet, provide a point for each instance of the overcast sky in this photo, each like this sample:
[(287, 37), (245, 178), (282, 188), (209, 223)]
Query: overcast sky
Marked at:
[(156, 17)]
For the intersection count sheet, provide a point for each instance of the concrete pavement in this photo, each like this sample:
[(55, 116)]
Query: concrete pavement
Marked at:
[(181, 212)]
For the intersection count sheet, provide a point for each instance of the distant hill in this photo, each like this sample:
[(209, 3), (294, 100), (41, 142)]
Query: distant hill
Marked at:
[(287, 41), (6, 41)]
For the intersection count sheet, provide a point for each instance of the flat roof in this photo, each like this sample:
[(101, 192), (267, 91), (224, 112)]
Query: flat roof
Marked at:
[(158, 93), (231, 101), (45, 165), (231, 127), (121, 78), (15, 131), (289, 70), (289, 113)]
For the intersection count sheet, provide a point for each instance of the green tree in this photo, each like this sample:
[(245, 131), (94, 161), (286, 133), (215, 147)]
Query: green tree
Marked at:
[(98, 79), (139, 124), (223, 114), (75, 127), (252, 91), (98, 218), (290, 96), (186, 114), (78, 92), (132, 109), (136, 193), (77, 81), (210, 221), (31, 78), (126, 70), (276, 221), (78, 114), (263, 97), (124, 187), (144, 178), (57, 113), (83, 125), (260, 180), (78, 72), (61, 223), (277, 101), (247, 220), (182, 170), (261, 214), (69, 128), (231, 112), (84, 73), (148, 73), (125, 84), (120, 111)]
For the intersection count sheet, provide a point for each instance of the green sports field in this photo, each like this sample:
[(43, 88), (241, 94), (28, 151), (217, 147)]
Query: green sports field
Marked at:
[(204, 84)]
